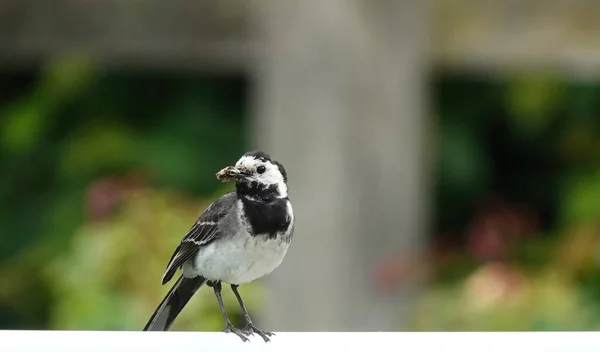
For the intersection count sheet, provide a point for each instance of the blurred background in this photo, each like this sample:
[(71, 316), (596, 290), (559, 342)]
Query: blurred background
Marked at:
[(444, 159)]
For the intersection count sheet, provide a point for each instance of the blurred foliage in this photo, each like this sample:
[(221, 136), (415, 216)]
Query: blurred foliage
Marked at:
[(561, 294), (73, 140), (518, 236), (102, 172), (114, 268)]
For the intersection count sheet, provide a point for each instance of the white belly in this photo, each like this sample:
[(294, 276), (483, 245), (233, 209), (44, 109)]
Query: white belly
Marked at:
[(238, 260)]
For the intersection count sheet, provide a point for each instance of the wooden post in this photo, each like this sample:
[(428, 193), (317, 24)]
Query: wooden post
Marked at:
[(340, 101)]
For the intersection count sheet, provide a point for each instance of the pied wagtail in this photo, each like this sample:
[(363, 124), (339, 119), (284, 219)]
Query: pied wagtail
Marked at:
[(242, 236)]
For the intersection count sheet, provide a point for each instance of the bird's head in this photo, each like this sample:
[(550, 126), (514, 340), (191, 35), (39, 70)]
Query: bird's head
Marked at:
[(256, 173)]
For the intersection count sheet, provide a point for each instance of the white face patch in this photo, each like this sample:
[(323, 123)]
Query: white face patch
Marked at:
[(271, 176)]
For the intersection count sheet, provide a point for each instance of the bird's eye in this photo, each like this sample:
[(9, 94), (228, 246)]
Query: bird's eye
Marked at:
[(261, 169)]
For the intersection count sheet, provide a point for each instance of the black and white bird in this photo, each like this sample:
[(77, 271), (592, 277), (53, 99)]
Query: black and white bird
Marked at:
[(242, 236)]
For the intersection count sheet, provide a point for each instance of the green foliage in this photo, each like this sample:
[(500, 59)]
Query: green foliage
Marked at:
[(532, 101), (463, 168), (518, 184), (101, 173), (28, 117), (581, 202), (110, 276), (95, 148), (69, 128), (543, 303), (560, 294)]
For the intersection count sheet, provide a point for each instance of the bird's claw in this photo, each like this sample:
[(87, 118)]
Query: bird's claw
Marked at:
[(239, 332), (251, 329)]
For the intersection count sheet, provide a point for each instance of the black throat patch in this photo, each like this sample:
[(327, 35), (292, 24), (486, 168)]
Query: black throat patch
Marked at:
[(268, 219), (265, 212), (257, 191)]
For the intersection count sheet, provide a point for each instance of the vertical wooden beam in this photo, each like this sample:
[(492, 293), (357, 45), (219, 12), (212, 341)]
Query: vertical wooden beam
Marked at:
[(340, 101)]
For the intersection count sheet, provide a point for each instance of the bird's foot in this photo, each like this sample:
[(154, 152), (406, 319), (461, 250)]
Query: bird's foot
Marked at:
[(251, 329), (239, 332)]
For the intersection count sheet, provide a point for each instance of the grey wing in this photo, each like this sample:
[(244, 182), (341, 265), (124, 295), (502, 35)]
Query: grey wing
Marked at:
[(204, 231)]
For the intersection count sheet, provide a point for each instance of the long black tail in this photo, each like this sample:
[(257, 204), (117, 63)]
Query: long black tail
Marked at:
[(173, 303)]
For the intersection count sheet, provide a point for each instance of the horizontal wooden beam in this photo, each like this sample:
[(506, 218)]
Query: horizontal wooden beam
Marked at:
[(496, 36), (225, 56), (491, 36)]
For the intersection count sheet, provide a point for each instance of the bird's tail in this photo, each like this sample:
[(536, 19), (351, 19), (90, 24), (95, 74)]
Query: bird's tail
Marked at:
[(173, 303)]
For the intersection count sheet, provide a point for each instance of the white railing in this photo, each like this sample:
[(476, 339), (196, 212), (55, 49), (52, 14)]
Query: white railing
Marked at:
[(129, 341)]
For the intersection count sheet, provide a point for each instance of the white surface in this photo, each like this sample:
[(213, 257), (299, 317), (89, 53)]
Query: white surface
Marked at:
[(18, 340)]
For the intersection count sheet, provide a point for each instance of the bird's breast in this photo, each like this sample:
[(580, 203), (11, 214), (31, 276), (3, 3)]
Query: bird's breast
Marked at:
[(242, 259), (252, 245)]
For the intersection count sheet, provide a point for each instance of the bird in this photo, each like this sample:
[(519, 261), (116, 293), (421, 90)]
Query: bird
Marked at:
[(242, 236)]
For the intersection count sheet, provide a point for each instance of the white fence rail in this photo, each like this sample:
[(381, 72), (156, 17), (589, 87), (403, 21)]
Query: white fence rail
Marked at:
[(113, 341)]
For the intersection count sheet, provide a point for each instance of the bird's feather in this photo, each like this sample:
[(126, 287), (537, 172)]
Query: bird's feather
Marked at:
[(173, 303), (204, 231)]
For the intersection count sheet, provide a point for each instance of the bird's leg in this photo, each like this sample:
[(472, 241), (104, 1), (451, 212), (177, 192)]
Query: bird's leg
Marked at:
[(228, 326), (249, 325)]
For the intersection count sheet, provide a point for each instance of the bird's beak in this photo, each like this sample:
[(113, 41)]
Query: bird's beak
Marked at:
[(230, 172)]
